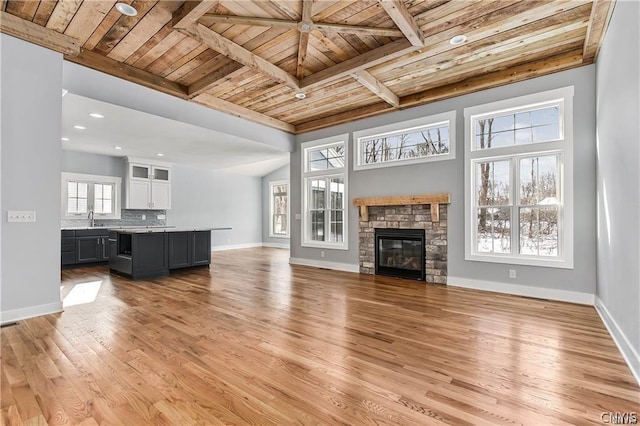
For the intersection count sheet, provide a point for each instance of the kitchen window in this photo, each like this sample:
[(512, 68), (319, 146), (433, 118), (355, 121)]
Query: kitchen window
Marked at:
[(421, 140), (324, 183), (519, 185), (82, 194), (279, 209)]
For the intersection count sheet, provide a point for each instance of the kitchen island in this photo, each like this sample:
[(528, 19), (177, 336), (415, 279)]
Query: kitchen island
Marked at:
[(154, 252)]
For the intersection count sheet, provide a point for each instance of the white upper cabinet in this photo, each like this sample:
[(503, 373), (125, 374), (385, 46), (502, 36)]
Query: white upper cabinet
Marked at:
[(148, 185)]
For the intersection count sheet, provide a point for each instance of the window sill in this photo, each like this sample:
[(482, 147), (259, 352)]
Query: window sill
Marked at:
[(328, 246), (279, 236), (520, 260)]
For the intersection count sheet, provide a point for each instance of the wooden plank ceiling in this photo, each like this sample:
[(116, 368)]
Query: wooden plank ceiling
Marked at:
[(351, 58)]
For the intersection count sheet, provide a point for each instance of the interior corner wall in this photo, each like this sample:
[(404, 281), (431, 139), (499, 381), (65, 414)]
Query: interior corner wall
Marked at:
[(277, 175), (448, 176), (618, 117), (31, 81), (217, 199)]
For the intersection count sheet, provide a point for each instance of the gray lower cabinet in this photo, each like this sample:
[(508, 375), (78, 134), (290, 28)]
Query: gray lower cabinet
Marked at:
[(192, 248), (68, 248), (92, 245), (201, 248), (149, 255)]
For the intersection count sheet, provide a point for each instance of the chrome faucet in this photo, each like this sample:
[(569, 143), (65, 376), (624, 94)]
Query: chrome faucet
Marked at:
[(93, 222)]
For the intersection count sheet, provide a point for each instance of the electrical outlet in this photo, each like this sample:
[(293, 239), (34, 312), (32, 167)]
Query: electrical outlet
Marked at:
[(321, 253), (298, 217), (144, 217), (512, 273), (228, 240), (162, 216), (21, 216)]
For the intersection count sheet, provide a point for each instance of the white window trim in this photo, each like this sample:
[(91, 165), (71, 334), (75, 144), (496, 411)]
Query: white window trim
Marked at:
[(271, 208), (563, 145), (344, 171), (91, 179), (433, 120)]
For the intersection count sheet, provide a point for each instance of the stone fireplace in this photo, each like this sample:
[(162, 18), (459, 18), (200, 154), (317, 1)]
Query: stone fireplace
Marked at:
[(426, 212)]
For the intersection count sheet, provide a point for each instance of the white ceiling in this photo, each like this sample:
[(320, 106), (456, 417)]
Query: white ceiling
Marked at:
[(145, 135)]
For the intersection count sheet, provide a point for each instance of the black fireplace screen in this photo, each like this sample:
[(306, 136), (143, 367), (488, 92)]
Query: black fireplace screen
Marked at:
[(400, 253)]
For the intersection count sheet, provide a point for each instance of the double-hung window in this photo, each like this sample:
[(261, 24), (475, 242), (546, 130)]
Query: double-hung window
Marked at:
[(82, 194), (519, 180), (279, 209), (324, 183)]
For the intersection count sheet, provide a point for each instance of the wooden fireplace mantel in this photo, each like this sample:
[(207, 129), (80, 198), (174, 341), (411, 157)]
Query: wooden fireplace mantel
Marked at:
[(403, 200)]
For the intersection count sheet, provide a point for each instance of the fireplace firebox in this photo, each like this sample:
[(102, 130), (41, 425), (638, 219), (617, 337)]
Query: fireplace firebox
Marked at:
[(400, 253)]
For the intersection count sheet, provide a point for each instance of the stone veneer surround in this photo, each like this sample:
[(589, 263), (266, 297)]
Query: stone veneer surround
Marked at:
[(416, 216)]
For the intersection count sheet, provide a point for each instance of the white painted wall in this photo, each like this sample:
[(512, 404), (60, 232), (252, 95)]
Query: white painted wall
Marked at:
[(282, 174), (208, 198), (618, 160), (576, 284), (31, 81)]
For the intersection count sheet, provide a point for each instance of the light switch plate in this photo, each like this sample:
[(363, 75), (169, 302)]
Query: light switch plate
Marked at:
[(21, 216), (162, 216), (298, 217)]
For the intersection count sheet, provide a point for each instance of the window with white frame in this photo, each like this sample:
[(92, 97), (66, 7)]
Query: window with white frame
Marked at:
[(279, 209), (519, 180), (324, 183), (82, 194), (415, 141)]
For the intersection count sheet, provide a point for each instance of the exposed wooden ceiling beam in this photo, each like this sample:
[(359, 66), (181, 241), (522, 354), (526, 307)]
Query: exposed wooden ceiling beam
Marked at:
[(303, 43), (208, 81), (398, 12), (189, 13), (242, 112), (239, 54), (36, 34), (209, 19), (369, 59), (376, 86), (601, 12), (354, 29), (127, 72)]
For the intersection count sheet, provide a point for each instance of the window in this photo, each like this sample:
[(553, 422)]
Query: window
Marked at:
[(519, 185), (324, 177), (279, 209), (85, 193), (409, 142)]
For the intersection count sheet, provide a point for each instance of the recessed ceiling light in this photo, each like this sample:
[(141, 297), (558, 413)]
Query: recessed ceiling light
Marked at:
[(79, 127), (300, 95), (459, 39), (160, 154), (126, 9), (96, 115), (65, 139), (117, 147)]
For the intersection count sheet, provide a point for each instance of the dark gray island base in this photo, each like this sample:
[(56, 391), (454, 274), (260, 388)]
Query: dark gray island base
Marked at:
[(145, 253)]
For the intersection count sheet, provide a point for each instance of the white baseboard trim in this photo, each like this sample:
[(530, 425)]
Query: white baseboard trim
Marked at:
[(235, 246), (628, 352), (277, 245), (30, 312), (347, 267), (523, 290)]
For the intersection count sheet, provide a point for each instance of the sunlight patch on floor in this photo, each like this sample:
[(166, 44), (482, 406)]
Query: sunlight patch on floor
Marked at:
[(82, 293)]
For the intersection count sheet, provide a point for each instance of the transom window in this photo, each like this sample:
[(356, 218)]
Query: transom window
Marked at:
[(519, 185), (89, 193), (324, 178), (415, 141)]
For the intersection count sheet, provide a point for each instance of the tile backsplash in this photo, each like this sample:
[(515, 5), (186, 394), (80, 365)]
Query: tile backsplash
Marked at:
[(127, 218)]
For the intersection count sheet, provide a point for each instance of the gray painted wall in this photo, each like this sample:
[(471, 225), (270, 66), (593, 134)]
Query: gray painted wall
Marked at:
[(280, 174), (31, 81), (218, 199), (447, 176), (618, 110)]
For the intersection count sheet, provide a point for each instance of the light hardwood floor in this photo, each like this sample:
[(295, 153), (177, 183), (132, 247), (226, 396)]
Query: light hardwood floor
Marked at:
[(256, 341)]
